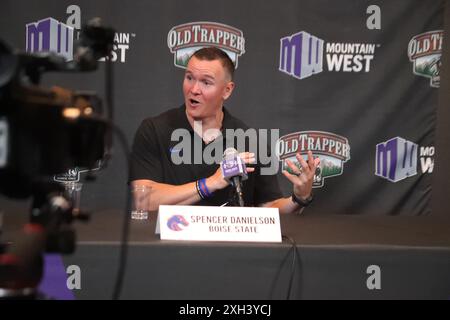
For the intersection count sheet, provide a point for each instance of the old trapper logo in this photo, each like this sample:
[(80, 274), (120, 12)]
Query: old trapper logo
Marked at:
[(332, 150), (424, 51), (176, 221), (183, 40), (301, 55)]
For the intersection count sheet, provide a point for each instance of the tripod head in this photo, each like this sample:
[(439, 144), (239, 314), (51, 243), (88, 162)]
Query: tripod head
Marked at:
[(49, 230)]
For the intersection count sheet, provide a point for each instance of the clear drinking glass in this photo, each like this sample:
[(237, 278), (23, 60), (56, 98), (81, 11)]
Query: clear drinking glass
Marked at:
[(140, 202)]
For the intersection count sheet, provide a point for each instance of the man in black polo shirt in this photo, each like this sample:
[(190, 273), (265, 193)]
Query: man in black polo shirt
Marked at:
[(208, 82)]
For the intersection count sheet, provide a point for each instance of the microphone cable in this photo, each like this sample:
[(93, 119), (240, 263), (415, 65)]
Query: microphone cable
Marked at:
[(293, 265), (126, 223), (123, 255)]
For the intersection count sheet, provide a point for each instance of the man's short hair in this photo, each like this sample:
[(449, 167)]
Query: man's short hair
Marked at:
[(214, 53)]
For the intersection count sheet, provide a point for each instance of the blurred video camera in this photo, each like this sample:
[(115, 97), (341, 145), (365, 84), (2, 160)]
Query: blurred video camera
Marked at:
[(48, 131), (45, 132)]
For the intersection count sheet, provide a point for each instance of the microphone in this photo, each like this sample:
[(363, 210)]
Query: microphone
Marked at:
[(234, 171)]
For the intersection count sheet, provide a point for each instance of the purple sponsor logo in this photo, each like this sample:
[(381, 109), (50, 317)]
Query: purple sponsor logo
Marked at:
[(301, 55), (230, 170), (396, 159), (50, 35), (232, 167)]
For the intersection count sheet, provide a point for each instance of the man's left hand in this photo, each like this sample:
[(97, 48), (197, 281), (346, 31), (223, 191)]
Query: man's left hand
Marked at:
[(302, 178)]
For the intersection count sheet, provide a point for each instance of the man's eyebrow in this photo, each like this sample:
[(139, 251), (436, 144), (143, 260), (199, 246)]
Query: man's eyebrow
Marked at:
[(207, 76)]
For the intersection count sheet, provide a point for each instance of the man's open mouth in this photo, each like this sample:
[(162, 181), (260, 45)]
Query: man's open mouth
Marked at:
[(194, 102)]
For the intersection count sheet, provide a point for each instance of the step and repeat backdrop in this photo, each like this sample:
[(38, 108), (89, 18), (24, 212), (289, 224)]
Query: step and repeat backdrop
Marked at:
[(356, 82)]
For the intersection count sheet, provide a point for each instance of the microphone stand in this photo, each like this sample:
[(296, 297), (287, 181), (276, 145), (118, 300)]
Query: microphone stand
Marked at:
[(237, 184)]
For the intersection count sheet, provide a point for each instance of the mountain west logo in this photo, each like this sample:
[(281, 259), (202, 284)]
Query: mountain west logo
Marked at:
[(50, 35), (396, 159), (183, 40), (301, 55), (332, 150), (424, 51)]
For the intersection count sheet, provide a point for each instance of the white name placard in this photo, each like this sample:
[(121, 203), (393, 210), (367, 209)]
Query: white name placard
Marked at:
[(202, 223)]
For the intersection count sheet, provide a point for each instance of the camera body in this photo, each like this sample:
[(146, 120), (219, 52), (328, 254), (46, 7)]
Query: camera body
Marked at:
[(46, 131)]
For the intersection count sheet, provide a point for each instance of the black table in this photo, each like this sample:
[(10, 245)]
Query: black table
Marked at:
[(334, 255)]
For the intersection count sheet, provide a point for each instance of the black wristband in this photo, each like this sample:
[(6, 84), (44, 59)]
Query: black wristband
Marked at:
[(303, 203)]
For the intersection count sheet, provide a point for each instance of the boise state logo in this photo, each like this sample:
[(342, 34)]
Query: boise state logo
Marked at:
[(424, 51), (175, 222)]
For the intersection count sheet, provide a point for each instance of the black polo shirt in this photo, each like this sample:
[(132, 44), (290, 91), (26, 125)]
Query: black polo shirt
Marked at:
[(151, 158)]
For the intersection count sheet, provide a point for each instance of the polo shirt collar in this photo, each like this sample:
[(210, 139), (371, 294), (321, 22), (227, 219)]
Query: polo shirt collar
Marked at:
[(183, 122)]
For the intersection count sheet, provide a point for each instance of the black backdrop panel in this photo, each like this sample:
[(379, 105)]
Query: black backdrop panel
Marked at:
[(362, 74)]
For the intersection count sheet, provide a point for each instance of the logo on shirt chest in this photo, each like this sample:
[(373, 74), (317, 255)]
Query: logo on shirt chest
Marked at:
[(175, 150)]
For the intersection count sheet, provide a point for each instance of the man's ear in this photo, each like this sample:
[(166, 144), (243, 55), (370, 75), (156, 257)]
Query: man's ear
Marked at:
[(228, 90)]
